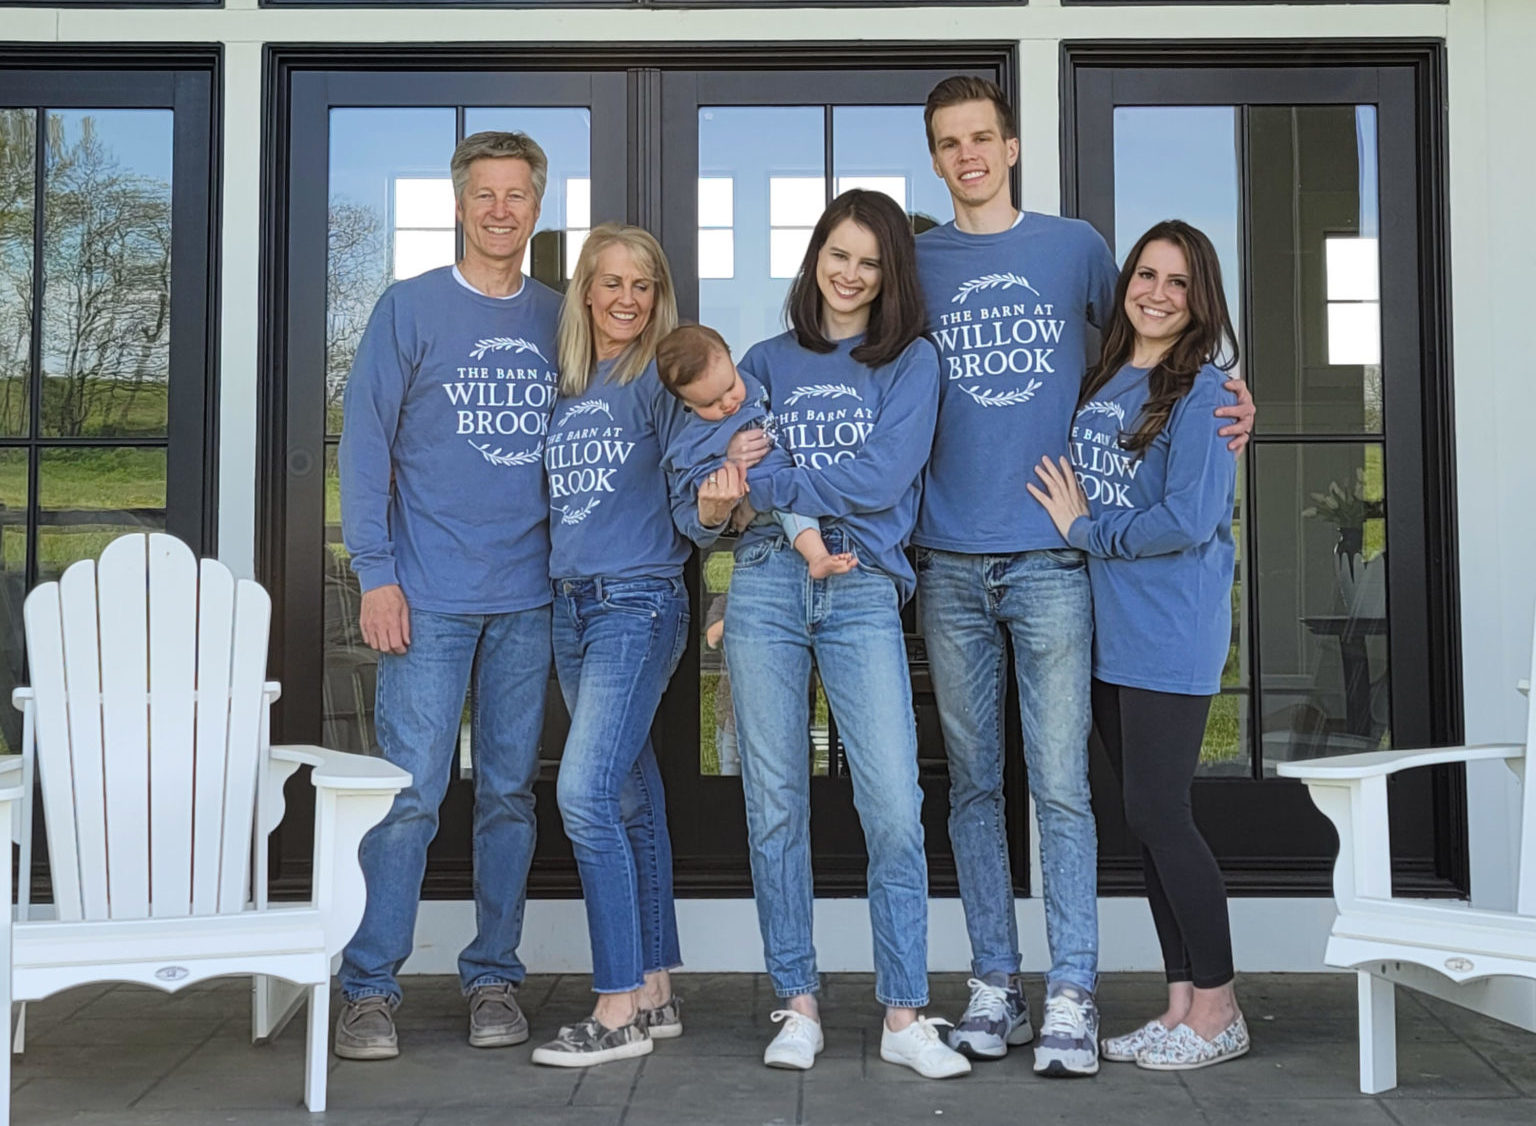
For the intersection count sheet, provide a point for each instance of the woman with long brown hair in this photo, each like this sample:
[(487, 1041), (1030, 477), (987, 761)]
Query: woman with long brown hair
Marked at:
[(1148, 496)]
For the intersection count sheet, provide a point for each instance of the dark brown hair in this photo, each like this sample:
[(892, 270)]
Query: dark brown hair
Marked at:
[(684, 353), (1207, 339), (960, 88), (897, 316)]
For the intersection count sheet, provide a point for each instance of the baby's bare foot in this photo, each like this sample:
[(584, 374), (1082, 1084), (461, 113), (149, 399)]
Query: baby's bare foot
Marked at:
[(829, 564)]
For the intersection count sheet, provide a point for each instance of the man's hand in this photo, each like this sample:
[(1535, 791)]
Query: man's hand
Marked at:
[(720, 492), (748, 447), (1242, 429), (386, 619), (1061, 495)]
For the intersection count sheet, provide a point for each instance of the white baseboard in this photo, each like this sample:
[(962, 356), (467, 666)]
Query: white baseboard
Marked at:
[(721, 935)]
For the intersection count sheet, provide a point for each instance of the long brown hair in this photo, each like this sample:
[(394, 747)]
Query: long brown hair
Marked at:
[(897, 315), (1207, 339)]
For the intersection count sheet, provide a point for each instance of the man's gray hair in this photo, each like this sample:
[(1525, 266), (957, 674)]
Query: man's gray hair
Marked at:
[(495, 145)]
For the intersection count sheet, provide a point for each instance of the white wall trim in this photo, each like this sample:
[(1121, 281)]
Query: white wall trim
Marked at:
[(721, 935)]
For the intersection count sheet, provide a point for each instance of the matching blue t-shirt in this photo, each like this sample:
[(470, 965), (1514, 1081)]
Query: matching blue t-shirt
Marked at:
[(859, 437), (441, 460), (1158, 536)]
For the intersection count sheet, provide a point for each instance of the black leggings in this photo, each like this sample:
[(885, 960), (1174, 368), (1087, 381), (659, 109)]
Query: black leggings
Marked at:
[(1153, 740)]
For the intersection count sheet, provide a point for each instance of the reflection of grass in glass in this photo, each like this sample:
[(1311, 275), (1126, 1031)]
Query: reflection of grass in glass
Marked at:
[(1223, 729), (717, 571), (82, 480), (113, 407), (709, 758)]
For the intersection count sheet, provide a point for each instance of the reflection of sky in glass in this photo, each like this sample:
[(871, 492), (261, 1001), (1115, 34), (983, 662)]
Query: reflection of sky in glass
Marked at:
[(565, 135), (870, 141), (1179, 162), (138, 139), (371, 148), (1365, 135), (753, 145)]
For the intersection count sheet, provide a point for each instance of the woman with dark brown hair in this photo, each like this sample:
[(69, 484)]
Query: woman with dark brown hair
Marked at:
[(854, 387), (1148, 496)]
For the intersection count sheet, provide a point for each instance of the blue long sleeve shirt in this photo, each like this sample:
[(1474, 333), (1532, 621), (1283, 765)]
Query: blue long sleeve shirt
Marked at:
[(700, 445), (443, 423), (1009, 312), (1158, 536), (616, 510), (859, 437)]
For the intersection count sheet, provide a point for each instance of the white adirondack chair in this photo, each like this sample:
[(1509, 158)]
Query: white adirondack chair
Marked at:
[(1483, 960), (147, 725)]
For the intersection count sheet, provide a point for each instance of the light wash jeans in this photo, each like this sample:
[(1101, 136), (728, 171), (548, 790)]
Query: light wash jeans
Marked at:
[(777, 618), (418, 712), (617, 642), (1042, 600)]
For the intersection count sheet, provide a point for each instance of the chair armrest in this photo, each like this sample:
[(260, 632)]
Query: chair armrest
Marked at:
[(20, 697), (10, 788), (10, 770), (1373, 764), (341, 770)]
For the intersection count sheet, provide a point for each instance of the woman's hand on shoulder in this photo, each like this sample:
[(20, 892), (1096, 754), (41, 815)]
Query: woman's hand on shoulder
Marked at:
[(1241, 412), (719, 494)]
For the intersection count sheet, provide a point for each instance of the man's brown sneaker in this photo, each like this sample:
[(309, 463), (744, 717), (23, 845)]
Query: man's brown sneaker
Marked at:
[(365, 1030), (495, 1021)]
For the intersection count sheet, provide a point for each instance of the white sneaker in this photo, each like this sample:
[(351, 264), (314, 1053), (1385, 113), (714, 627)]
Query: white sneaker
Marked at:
[(798, 1043), (921, 1047), (1069, 1034)]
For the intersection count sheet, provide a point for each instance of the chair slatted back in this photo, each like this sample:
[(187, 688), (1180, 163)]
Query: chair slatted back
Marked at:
[(148, 672), (1525, 889)]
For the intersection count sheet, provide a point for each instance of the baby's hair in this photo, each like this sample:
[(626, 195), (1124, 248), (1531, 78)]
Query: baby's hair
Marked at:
[(684, 353)]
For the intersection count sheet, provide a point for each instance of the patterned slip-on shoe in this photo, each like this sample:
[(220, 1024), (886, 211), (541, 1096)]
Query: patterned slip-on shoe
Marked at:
[(1184, 1049), (664, 1022), (589, 1042), (1125, 1049)]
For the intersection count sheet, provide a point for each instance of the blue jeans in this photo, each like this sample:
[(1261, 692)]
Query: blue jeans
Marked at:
[(418, 712), (1042, 600), (777, 618), (616, 644)]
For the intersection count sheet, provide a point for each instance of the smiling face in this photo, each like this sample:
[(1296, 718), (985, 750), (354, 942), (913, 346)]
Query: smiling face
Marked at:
[(971, 153), (848, 273), (718, 392), (498, 209), (619, 300), (1157, 298)]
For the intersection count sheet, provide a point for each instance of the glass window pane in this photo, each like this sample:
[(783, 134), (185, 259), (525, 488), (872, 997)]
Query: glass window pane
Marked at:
[(717, 254), (18, 159), (89, 497), (1180, 162), (350, 666), (366, 180), (424, 202), (416, 252), (565, 135), (1315, 366), (13, 586), (1227, 749), (773, 157), (1322, 592), (885, 149), (717, 206), (107, 272)]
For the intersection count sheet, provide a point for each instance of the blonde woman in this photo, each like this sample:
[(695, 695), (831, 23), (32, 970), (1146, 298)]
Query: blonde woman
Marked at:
[(620, 625)]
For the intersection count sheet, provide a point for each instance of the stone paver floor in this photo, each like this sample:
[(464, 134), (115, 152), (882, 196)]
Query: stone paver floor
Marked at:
[(128, 1056)]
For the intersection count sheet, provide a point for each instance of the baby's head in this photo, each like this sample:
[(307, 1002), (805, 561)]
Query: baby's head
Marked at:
[(694, 363)]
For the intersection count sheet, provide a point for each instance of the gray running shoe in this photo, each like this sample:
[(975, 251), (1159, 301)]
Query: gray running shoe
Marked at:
[(365, 1030), (588, 1042), (495, 1021), (665, 1022), (1069, 1034), (997, 1016)]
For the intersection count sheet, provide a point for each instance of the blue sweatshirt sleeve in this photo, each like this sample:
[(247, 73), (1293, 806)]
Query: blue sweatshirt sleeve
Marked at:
[(673, 438), (1103, 275), (376, 387), (882, 471), (1197, 490)]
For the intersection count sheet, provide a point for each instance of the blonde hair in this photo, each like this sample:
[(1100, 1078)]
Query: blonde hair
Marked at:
[(578, 349), (493, 145)]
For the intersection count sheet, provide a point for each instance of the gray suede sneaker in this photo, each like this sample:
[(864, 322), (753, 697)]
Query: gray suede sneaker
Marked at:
[(495, 1021), (365, 1030)]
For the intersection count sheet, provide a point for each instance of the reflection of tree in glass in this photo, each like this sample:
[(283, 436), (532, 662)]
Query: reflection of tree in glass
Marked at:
[(17, 175), (357, 271), (107, 289)]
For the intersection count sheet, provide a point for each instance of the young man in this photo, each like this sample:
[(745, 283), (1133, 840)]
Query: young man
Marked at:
[(445, 515), (1010, 297)]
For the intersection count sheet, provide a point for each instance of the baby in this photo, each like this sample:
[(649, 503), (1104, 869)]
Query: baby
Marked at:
[(694, 363)]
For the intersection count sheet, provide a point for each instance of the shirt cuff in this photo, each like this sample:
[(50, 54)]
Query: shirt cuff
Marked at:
[(1078, 533), (377, 574)]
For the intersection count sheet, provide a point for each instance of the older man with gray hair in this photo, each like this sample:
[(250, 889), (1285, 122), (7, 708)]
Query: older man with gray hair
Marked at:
[(445, 515)]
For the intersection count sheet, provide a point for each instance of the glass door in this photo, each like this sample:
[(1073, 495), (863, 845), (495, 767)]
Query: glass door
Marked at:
[(1311, 184), (751, 160), (370, 202)]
